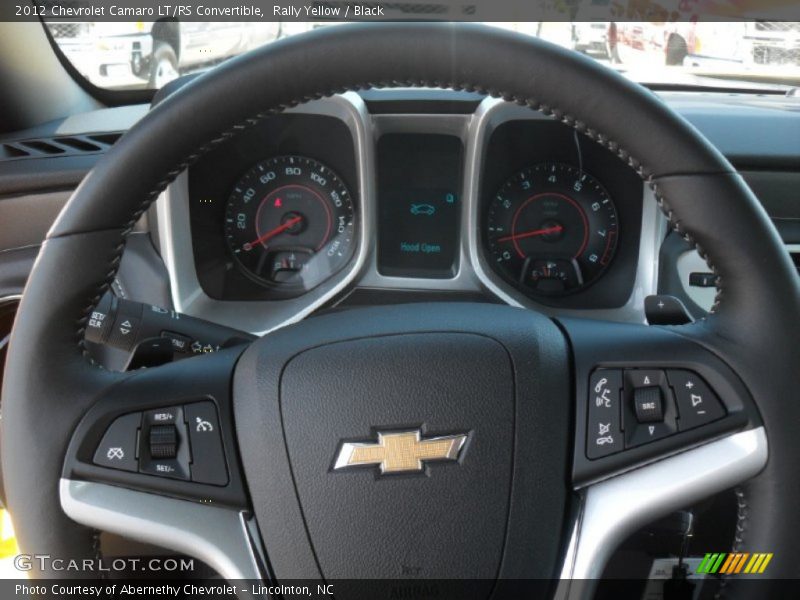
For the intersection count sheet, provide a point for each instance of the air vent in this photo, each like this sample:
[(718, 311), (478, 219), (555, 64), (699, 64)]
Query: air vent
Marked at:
[(72, 145), (107, 139), (42, 147)]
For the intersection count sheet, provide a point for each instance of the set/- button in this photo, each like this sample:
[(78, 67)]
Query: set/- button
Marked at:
[(604, 432)]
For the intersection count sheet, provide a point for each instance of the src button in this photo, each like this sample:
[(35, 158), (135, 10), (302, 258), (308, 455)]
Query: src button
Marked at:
[(648, 404)]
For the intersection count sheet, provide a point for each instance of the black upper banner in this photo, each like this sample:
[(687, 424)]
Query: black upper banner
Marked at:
[(656, 11)]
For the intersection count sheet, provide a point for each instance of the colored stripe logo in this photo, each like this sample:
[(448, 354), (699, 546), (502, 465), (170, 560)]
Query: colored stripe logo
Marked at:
[(734, 563)]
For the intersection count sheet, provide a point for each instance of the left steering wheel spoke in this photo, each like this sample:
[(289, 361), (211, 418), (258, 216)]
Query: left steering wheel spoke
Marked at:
[(155, 459)]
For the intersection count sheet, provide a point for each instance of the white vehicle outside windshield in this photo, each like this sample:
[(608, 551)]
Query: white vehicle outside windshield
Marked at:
[(751, 54)]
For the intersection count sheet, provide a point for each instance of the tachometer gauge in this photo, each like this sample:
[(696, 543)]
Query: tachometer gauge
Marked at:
[(290, 223), (551, 229)]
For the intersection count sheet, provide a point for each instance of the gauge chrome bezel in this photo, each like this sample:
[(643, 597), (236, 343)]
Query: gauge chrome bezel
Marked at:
[(260, 317), (473, 274)]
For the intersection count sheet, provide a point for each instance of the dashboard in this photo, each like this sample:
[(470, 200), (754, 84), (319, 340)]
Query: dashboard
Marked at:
[(331, 204)]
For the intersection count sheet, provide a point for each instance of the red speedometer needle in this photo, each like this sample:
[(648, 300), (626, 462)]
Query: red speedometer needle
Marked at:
[(273, 232), (535, 232)]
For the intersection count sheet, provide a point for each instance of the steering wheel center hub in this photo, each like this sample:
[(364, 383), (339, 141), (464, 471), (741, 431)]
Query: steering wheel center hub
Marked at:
[(412, 439)]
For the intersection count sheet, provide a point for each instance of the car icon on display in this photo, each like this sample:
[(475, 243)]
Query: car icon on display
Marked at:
[(423, 209)]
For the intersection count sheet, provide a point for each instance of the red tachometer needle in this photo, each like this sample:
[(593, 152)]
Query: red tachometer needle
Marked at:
[(535, 232), (273, 232)]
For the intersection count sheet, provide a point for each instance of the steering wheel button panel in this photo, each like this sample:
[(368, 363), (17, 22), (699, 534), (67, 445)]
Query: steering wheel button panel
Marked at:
[(117, 449), (697, 404), (208, 457), (604, 435)]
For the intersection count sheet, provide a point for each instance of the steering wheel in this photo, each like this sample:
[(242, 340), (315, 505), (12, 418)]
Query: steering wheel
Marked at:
[(469, 427)]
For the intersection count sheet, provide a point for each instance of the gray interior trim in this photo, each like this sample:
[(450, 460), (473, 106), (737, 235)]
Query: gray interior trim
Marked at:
[(690, 262), (25, 220), (43, 90), (217, 536), (615, 508)]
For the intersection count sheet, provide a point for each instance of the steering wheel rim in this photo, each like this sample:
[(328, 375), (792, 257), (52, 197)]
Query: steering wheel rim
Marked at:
[(83, 249)]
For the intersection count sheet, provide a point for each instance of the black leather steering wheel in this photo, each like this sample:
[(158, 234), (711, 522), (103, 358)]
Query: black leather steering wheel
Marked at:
[(515, 382)]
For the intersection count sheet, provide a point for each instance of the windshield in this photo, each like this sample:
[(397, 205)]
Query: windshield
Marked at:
[(754, 55)]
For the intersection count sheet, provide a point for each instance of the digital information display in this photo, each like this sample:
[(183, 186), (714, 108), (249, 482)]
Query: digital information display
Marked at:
[(419, 186)]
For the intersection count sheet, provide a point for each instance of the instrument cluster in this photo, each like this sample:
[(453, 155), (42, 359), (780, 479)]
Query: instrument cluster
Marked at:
[(277, 212)]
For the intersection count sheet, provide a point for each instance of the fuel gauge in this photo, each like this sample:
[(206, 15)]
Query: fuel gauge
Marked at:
[(551, 276)]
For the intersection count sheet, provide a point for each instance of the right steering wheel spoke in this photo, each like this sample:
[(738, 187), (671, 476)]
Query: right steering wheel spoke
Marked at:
[(661, 422)]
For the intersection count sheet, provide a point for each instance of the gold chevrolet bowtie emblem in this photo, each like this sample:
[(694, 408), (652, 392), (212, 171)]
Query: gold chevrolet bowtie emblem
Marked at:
[(400, 451)]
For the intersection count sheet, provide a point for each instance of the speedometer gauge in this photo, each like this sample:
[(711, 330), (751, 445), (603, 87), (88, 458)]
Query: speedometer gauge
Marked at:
[(290, 223), (551, 229)]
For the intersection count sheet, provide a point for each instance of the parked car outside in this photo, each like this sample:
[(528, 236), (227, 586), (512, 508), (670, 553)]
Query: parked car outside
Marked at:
[(590, 37), (151, 54)]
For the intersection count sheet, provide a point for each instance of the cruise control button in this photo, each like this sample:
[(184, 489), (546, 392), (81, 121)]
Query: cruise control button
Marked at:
[(163, 416), (118, 447), (604, 435), (163, 441), (208, 457), (124, 332), (697, 404), (170, 459)]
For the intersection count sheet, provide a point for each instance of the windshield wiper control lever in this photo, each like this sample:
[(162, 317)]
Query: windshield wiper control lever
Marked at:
[(135, 326)]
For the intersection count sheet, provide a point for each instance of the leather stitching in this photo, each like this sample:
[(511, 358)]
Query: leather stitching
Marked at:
[(97, 552), (643, 172), (742, 511)]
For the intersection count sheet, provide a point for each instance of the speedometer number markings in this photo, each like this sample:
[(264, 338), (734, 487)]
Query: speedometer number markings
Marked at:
[(290, 223)]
